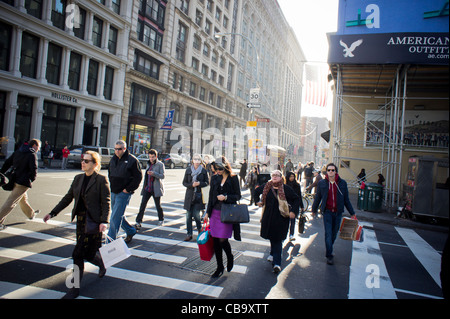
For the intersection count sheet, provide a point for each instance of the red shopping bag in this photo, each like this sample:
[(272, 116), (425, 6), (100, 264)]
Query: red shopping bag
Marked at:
[(205, 243)]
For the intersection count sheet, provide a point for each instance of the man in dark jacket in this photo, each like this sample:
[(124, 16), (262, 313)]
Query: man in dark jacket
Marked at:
[(24, 161), (124, 175), (332, 195)]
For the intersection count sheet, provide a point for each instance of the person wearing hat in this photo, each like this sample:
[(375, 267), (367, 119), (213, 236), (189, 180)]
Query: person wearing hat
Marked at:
[(317, 179)]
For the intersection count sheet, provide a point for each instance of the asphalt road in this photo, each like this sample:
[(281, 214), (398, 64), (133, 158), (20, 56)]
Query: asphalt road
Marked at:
[(392, 262)]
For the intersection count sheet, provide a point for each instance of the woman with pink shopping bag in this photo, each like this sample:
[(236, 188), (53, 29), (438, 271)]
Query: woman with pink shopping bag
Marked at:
[(92, 208)]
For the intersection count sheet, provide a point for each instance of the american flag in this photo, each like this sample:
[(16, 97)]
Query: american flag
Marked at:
[(316, 84)]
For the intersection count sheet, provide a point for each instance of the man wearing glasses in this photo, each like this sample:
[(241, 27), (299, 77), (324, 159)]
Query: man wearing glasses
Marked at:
[(332, 196), (124, 175)]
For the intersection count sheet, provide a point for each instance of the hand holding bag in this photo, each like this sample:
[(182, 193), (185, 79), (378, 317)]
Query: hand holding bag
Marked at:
[(114, 252), (205, 243), (234, 214), (10, 174)]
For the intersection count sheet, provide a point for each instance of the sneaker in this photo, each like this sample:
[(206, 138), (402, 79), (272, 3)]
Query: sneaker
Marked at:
[(34, 214), (2, 227), (160, 222), (270, 258), (188, 238), (291, 237), (276, 269), (138, 226), (129, 238)]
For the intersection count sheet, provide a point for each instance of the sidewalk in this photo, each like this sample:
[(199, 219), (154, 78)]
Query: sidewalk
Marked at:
[(390, 218)]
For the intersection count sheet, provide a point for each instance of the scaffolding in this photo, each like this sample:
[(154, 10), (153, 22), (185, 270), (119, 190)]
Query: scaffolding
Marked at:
[(391, 103)]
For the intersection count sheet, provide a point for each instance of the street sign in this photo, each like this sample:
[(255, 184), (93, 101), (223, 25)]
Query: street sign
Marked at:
[(254, 95), (263, 120), (251, 123), (251, 105)]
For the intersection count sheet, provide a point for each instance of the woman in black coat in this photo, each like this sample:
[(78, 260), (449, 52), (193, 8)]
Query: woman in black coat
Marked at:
[(92, 208), (273, 225), (195, 178), (224, 188), (290, 181)]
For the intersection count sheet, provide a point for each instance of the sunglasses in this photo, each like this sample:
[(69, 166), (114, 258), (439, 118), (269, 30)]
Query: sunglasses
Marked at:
[(330, 170), (119, 149), (86, 161)]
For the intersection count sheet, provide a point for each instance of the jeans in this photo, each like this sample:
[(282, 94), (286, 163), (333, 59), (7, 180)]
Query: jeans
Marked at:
[(276, 249), (196, 213), (145, 199), (118, 204), (331, 222)]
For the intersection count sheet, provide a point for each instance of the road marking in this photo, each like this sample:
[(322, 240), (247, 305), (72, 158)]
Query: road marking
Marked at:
[(9, 290), (418, 294), (364, 284), (427, 255), (119, 273)]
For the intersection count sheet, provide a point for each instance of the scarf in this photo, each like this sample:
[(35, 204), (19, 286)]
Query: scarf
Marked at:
[(195, 172), (269, 186)]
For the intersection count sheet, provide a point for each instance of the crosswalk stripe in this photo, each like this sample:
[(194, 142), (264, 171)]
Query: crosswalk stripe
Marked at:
[(119, 273), (9, 290), (369, 278), (427, 255)]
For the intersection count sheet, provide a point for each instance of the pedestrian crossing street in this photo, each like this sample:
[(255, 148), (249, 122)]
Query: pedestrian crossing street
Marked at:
[(165, 244)]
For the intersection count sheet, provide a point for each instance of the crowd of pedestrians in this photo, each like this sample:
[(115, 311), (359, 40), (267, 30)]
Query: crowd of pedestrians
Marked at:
[(101, 200)]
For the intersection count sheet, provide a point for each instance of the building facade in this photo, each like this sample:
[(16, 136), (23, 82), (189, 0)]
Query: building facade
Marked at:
[(90, 72), (62, 71)]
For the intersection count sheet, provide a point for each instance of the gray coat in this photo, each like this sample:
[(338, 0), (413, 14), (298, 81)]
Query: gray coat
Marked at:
[(159, 173), (187, 182)]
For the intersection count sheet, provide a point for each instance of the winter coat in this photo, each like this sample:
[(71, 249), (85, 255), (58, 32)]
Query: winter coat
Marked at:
[(124, 173), (25, 162), (273, 225), (231, 189), (159, 172), (97, 198), (187, 182), (342, 196)]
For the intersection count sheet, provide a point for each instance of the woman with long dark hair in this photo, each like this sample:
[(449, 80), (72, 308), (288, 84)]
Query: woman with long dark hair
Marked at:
[(224, 188), (290, 181)]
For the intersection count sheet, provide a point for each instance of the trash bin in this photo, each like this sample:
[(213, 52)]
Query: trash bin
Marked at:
[(362, 199), (374, 197)]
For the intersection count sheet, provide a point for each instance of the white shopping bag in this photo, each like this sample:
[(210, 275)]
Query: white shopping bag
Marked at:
[(114, 252)]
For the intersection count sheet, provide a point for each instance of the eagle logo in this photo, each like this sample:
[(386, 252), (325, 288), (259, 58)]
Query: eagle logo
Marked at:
[(348, 52)]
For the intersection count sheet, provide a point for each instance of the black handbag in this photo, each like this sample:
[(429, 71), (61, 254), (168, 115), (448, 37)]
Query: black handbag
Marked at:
[(301, 223), (11, 176), (234, 214)]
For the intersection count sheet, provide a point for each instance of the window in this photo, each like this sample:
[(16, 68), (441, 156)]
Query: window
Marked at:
[(115, 4), (97, 29), (53, 63), (184, 6), (230, 76), (147, 65), (204, 69), (59, 13), (104, 130), (202, 96), (193, 89), (34, 8), (92, 77), (176, 113), (208, 26), (74, 71), (197, 42), (206, 50), (109, 78), (195, 64), (214, 56), (112, 42), (79, 32), (218, 14), (211, 98), (198, 17), (149, 36), (154, 10), (181, 42), (143, 101), (22, 127), (58, 124), (189, 116), (29, 55), (219, 101), (5, 45), (209, 5)]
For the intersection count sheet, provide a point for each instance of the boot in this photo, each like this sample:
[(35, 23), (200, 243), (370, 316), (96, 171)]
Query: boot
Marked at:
[(219, 259), (227, 248), (98, 261)]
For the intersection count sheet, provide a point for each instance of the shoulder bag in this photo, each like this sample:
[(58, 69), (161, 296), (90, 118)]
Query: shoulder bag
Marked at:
[(234, 214)]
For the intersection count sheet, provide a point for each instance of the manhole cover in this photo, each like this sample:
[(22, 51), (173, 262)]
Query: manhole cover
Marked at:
[(206, 267)]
